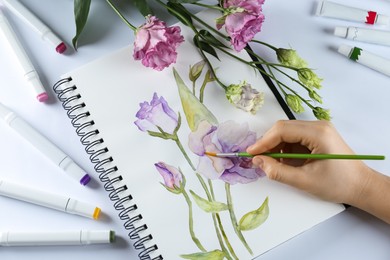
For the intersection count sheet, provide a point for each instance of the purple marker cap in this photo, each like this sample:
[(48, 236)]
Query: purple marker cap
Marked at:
[(85, 179)]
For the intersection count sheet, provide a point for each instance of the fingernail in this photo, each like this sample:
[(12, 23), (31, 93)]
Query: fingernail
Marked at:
[(249, 148)]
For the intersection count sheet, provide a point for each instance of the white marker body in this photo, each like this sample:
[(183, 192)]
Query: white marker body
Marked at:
[(339, 11), (46, 199), (59, 238), (364, 35), (368, 59), (41, 143), (29, 71), (29, 18)]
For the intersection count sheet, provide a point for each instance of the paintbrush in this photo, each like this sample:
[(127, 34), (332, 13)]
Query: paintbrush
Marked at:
[(303, 156)]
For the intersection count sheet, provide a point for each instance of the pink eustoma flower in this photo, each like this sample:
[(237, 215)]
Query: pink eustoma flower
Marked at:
[(243, 20), (155, 44), (228, 137)]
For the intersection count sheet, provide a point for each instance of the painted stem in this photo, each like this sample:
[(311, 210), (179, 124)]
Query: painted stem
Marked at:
[(221, 226), (191, 223), (177, 141), (215, 217), (234, 219)]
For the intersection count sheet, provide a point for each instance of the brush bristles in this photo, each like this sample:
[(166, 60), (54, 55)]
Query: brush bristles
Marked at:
[(210, 154)]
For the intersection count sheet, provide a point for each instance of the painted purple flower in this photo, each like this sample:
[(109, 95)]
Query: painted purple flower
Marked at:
[(155, 114), (228, 137), (155, 44), (242, 20), (171, 175)]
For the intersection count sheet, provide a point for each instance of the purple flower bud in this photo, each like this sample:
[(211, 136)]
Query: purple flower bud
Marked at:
[(171, 175)]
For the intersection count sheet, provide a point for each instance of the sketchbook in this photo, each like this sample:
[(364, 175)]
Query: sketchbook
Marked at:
[(174, 202)]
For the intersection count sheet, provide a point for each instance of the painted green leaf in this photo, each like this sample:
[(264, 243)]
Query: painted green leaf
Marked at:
[(212, 255), (254, 219), (81, 11), (194, 110), (209, 206), (143, 7)]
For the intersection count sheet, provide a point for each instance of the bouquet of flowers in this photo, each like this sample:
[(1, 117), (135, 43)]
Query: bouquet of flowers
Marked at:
[(156, 43)]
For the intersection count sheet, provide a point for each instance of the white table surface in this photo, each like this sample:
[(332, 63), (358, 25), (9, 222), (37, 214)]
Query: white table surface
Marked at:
[(357, 96)]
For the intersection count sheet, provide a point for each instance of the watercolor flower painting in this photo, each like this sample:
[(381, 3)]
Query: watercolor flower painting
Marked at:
[(159, 120)]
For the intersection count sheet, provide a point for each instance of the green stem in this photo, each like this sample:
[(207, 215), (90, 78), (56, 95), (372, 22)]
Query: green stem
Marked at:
[(265, 44), (191, 222), (173, 11), (121, 16), (202, 88), (210, 6), (193, 88), (234, 219), (221, 226)]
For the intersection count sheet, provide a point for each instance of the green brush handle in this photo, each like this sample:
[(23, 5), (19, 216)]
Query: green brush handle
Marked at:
[(318, 156)]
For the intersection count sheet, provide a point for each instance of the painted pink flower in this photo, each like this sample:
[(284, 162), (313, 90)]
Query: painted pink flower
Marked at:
[(242, 20), (155, 44), (228, 137), (156, 114), (171, 175)]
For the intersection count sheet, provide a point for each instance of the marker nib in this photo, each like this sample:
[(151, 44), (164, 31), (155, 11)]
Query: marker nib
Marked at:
[(61, 48), (42, 97)]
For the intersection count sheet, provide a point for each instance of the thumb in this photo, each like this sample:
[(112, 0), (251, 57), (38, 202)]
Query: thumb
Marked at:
[(280, 172)]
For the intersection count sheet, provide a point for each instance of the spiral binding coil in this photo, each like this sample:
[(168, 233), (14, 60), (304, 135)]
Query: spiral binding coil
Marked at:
[(94, 146)]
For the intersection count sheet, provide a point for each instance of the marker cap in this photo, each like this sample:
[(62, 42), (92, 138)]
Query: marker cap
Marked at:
[(345, 50), (382, 19), (341, 31), (82, 208)]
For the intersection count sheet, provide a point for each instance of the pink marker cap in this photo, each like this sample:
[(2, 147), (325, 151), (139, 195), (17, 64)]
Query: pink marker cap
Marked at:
[(42, 97), (61, 48)]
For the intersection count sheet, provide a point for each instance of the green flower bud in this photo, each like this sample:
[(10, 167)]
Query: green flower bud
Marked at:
[(309, 78), (295, 103), (244, 97), (196, 70), (315, 97), (289, 57), (321, 114)]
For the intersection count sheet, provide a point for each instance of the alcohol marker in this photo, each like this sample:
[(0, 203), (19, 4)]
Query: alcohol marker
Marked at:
[(49, 200), (364, 35), (29, 71), (56, 238), (44, 145), (339, 11), (46, 34), (366, 58)]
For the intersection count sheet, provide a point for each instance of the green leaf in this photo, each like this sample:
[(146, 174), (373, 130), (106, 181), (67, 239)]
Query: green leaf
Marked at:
[(208, 37), (184, 1), (209, 206), (204, 46), (254, 219), (212, 255), (194, 110), (143, 7), (180, 12), (81, 11)]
